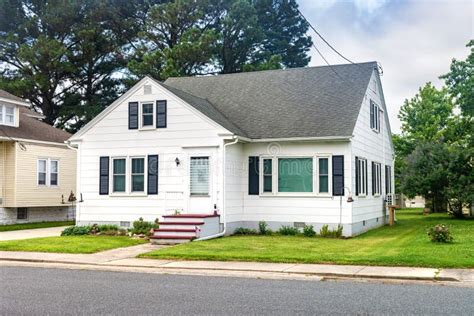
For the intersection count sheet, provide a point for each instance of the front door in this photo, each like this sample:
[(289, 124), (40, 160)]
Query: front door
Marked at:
[(200, 183)]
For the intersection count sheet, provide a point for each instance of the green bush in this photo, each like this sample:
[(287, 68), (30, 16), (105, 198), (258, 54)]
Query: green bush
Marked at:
[(263, 228), (331, 233), (440, 233), (142, 227), (308, 231), (244, 231), (76, 231), (288, 231)]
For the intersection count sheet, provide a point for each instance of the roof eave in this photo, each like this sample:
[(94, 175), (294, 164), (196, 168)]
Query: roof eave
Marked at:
[(16, 102)]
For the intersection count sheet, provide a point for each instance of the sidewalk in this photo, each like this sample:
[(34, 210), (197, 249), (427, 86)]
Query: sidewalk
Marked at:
[(31, 233), (126, 258)]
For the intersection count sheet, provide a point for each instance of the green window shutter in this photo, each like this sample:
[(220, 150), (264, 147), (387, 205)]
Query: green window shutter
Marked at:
[(337, 175), (133, 115), (254, 185), (104, 176)]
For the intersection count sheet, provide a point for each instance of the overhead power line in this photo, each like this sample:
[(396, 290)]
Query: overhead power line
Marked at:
[(323, 39)]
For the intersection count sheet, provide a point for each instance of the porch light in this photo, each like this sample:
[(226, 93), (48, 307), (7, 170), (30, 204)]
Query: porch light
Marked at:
[(177, 161), (350, 199)]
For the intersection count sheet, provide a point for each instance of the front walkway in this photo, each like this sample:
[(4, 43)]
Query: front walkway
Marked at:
[(31, 233), (126, 258)]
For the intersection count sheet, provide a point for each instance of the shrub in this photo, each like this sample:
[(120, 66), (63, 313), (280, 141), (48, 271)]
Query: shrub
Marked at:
[(288, 230), (142, 227), (244, 231), (440, 233), (76, 231), (331, 233), (308, 231), (263, 228)]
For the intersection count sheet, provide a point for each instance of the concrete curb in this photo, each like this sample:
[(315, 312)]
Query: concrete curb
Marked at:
[(328, 271)]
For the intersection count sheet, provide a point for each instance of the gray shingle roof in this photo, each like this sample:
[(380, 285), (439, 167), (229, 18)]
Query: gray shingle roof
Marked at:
[(34, 129), (298, 102), (7, 95)]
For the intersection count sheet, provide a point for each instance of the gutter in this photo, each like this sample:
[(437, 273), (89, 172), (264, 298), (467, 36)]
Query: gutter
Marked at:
[(294, 139), (236, 140)]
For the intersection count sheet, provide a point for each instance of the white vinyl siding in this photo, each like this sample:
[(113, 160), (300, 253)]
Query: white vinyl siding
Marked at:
[(199, 175)]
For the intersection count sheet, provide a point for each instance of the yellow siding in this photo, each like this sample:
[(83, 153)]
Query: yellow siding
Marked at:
[(2, 176), (27, 192), (9, 149)]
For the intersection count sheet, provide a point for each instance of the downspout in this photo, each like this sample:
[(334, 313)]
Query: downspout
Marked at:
[(223, 193), (78, 166)]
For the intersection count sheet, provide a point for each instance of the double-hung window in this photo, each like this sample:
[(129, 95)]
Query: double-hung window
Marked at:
[(295, 175), (199, 174), (42, 163), (119, 168), (323, 175), (267, 175), (376, 178), (147, 114), (138, 174), (375, 114), (48, 172), (361, 176)]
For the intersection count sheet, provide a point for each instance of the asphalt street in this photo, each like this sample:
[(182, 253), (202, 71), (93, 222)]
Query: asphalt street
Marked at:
[(40, 291)]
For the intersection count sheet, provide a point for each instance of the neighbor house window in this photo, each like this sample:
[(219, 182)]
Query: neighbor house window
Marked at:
[(53, 172), (323, 175), (295, 175), (42, 171), (7, 115), (376, 178), (361, 176), (138, 174), (147, 114), (199, 174), (375, 116), (267, 175), (22, 213), (119, 174)]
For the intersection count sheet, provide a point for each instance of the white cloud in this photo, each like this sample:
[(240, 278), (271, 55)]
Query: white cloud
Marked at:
[(413, 41)]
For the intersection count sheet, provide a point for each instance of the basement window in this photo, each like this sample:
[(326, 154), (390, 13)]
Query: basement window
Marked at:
[(22, 213)]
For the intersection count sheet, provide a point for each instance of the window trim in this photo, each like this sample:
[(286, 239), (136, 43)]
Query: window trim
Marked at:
[(363, 174), (145, 175), (378, 179), (315, 176), (377, 117), (140, 116), (209, 176)]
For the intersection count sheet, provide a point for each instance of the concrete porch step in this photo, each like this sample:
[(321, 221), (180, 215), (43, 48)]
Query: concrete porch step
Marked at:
[(170, 239), (175, 232), (185, 218)]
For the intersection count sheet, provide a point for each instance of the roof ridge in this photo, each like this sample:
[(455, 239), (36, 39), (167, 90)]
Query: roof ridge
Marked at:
[(269, 70)]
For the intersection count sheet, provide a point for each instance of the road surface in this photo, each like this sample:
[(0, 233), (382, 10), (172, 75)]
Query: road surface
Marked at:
[(39, 291)]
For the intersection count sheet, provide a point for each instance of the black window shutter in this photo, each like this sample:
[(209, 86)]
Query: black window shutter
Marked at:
[(366, 177), (337, 175), (133, 115), (161, 109), (254, 186), (152, 174), (388, 180), (372, 115), (373, 178), (104, 176), (357, 175)]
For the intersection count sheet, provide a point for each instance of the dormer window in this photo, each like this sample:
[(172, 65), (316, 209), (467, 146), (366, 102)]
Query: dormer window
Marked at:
[(7, 115)]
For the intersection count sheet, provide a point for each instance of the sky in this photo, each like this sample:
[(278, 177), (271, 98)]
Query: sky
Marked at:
[(414, 41)]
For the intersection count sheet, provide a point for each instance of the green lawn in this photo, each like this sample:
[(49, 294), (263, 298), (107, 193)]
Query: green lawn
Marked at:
[(70, 244), (7, 228), (405, 244)]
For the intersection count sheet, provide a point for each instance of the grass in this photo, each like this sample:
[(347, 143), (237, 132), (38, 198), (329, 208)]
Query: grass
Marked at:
[(7, 228), (405, 244), (70, 244)]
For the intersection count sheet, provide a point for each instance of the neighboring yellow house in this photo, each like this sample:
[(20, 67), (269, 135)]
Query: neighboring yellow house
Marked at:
[(37, 169)]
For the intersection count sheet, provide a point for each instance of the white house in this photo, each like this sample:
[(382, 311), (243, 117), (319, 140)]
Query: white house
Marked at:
[(288, 147)]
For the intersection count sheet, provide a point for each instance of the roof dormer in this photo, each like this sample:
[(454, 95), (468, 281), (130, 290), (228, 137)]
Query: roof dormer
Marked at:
[(10, 109)]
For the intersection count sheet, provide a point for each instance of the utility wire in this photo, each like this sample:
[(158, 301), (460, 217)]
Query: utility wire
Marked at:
[(324, 40)]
